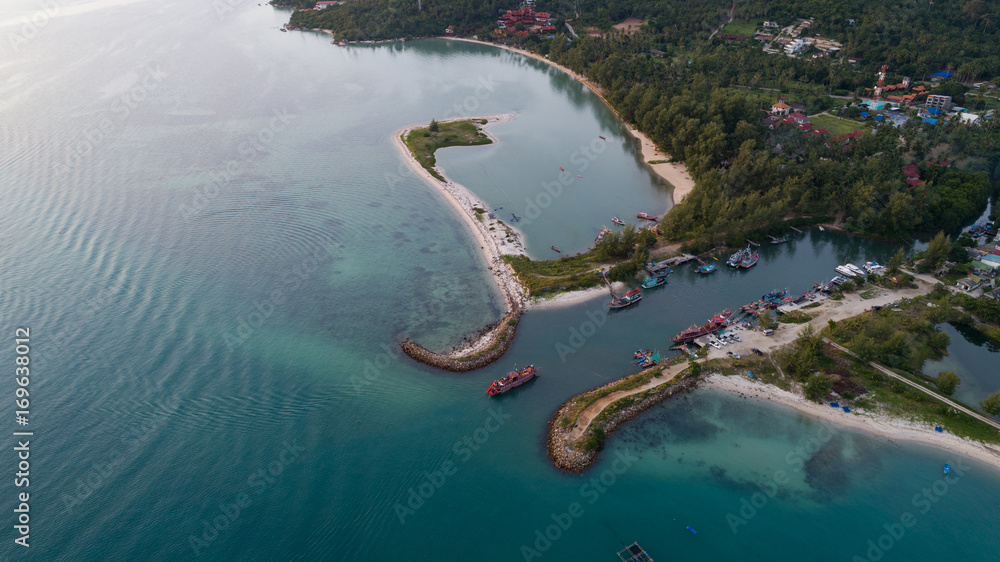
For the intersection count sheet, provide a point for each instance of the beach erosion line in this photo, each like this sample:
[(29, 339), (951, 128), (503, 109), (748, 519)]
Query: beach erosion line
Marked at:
[(493, 341)]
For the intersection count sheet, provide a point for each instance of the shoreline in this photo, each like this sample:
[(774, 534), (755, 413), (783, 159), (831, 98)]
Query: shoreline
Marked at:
[(463, 201), (873, 423), (564, 441), (674, 174)]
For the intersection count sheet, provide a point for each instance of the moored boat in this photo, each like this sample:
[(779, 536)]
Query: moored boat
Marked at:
[(628, 299), (648, 216), (722, 316), (655, 281), (705, 269), (617, 221), (749, 259), (843, 270), (695, 332), (512, 380), (600, 235), (855, 269), (735, 259)]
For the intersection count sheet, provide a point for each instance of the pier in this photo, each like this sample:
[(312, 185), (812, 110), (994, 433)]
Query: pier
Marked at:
[(658, 266)]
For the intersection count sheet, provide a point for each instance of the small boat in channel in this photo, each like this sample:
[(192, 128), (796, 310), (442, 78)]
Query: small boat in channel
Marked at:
[(706, 268), (647, 216), (557, 249), (618, 221)]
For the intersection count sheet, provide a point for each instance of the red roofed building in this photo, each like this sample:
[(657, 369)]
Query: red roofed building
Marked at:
[(804, 126), (780, 108), (911, 174), (799, 118), (913, 182)]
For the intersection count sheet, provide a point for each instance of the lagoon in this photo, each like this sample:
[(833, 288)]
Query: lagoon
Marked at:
[(216, 285)]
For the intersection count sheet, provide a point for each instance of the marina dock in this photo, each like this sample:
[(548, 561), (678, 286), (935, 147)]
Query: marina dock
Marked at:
[(658, 266)]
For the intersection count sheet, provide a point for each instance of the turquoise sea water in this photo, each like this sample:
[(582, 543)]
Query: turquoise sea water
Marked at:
[(206, 228)]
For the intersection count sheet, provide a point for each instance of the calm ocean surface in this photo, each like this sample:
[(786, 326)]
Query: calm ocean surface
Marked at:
[(207, 229)]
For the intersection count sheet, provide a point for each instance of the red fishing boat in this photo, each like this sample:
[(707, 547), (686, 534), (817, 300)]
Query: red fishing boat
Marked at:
[(513, 380), (648, 216), (695, 332)]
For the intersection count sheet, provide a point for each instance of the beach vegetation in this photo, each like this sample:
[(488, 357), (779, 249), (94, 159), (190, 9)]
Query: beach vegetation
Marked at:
[(991, 405), (818, 386), (947, 382), (423, 142), (795, 317)]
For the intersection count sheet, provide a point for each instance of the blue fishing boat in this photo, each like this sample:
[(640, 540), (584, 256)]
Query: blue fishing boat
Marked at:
[(618, 221), (650, 282), (947, 469), (735, 259), (705, 269)]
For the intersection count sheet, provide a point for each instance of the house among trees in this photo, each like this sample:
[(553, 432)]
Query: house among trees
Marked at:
[(529, 20), (780, 108), (799, 118)]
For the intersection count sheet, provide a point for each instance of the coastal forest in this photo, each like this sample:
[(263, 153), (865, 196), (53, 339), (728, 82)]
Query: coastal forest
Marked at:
[(702, 99)]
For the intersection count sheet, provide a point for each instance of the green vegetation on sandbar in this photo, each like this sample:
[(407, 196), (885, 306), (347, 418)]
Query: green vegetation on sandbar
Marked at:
[(623, 252), (423, 142)]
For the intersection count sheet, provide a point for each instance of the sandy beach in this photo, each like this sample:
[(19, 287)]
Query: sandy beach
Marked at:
[(871, 422), (572, 298), (674, 173), (493, 243)]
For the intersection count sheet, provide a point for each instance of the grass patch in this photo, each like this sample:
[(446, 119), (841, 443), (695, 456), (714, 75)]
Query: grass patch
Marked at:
[(795, 317), (812, 305), (424, 142), (739, 27), (835, 125)]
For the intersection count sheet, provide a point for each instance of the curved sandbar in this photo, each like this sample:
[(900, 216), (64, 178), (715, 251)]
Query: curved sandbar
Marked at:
[(495, 339), (675, 173)]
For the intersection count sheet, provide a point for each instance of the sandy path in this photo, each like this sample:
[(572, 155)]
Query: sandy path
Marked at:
[(590, 412), (674, 173), (925, 390)]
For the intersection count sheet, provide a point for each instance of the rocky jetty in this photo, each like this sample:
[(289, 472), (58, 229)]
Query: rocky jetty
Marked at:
[(568, 455)]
